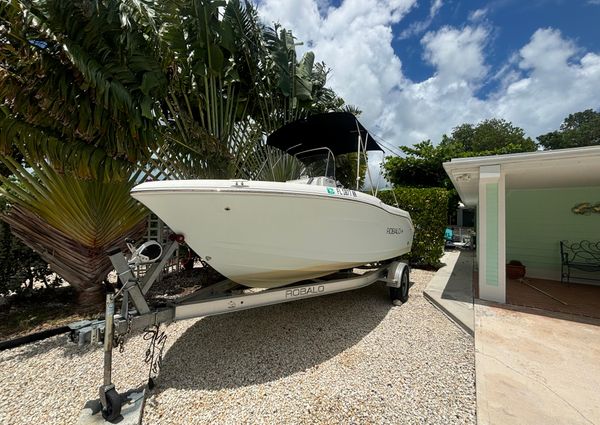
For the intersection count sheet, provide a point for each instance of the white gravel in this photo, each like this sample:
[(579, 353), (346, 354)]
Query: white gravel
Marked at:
[(344, 358)]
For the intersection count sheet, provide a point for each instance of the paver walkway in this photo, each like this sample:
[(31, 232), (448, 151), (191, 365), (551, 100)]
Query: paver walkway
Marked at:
[(451, 289), (534, 369)]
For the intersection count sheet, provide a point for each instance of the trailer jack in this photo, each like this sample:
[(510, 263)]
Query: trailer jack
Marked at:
[(109, 397)]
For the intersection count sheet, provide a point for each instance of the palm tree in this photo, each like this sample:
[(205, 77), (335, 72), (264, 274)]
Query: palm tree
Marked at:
[(208, 103), (78, 87), (234, 81), (71, 222), (79, 82), (101, 90)]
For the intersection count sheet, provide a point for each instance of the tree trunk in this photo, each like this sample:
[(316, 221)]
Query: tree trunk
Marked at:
[(91, 298)]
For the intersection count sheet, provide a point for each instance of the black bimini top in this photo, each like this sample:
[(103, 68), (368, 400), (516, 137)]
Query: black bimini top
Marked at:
[(337, 131)]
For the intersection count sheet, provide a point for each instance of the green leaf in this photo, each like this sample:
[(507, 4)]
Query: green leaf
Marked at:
[(216, 59), (149, 82), (147, 107)]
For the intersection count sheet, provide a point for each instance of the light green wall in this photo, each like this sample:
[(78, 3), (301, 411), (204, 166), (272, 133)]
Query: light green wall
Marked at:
[(537, 219), (491, 244)]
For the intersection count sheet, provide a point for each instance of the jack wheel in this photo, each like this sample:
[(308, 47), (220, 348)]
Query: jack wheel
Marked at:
[(401, 293), (113, 405)]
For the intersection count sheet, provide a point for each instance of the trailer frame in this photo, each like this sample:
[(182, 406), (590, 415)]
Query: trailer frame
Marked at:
[(220, 298)]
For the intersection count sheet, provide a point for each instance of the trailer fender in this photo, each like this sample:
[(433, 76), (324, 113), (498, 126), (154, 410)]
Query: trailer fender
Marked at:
[(394, 274)]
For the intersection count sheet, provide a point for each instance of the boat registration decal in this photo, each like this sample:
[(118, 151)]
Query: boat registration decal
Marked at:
[(395, 230), (299, 292), (341, 191)]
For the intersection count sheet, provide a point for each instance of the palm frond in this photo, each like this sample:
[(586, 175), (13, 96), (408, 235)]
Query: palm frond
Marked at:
[(70, 222), (84, 74)]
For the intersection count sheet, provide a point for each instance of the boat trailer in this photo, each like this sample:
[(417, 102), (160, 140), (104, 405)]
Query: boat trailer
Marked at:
[(223, 297)]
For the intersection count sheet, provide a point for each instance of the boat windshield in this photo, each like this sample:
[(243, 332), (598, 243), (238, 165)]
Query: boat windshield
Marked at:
[(318, 162)]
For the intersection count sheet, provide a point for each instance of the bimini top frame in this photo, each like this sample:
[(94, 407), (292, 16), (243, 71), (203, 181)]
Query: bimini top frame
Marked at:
[(339, 132)]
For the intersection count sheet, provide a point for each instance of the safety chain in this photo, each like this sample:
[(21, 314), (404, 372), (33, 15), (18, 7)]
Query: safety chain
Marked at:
[(155, 349)]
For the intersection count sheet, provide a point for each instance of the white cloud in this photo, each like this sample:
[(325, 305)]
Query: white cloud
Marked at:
[(302, 16), (547, 51), (554, 82), (435, 7), (545, 80), (594, 2), (355, 41), (479, 14), (418, 27), (457, 54)]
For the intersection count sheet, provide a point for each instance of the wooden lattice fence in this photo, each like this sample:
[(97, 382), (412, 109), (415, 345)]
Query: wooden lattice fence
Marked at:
[(160, 232)]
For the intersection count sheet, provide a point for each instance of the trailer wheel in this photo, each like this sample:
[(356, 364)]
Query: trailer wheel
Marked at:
[(113, 405), (401, 293)]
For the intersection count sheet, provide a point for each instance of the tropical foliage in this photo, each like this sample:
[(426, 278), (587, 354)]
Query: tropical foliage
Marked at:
[(489, 137), (71, 222), (422, 165), (79, 82), (95, 92), (577, 130), (234, 81)]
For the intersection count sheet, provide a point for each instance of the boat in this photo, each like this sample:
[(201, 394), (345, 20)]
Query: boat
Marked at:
[(267, 234)]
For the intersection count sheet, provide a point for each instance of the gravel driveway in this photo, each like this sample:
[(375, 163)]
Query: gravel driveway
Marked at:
[(344, 358)]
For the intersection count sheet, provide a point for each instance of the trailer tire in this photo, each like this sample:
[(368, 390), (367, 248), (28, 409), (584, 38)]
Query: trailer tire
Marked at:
[(113, 405), (401, 293)]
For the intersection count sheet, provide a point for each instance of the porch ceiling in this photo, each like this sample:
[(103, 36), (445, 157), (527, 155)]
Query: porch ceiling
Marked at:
[(577, 167)]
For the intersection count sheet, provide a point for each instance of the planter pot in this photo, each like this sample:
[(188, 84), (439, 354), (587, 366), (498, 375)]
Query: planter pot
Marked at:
[(515, 270)]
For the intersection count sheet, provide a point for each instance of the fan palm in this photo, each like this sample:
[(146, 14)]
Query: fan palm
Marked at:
[(79, 82), (234, 81), (78, 87), (71, 222)]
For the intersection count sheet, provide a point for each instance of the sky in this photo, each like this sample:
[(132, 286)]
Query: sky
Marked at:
[(419, 68)]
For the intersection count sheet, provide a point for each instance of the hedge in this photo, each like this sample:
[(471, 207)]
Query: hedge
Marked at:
[(428, 208)]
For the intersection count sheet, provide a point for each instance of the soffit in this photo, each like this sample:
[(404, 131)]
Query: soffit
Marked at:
[(578, 167)]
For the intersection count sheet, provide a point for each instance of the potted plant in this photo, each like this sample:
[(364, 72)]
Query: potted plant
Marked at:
[(515, 270)]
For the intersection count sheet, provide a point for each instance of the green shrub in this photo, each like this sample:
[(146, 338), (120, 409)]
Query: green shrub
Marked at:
[(20, 265), (428, 208)]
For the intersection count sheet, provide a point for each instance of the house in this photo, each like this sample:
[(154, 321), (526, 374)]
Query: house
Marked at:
[(526, 204)]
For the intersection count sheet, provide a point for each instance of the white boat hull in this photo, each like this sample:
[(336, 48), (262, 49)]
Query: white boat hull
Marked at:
[(267, 234)]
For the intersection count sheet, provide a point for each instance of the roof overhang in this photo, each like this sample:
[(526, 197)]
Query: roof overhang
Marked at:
[(577, 167)]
